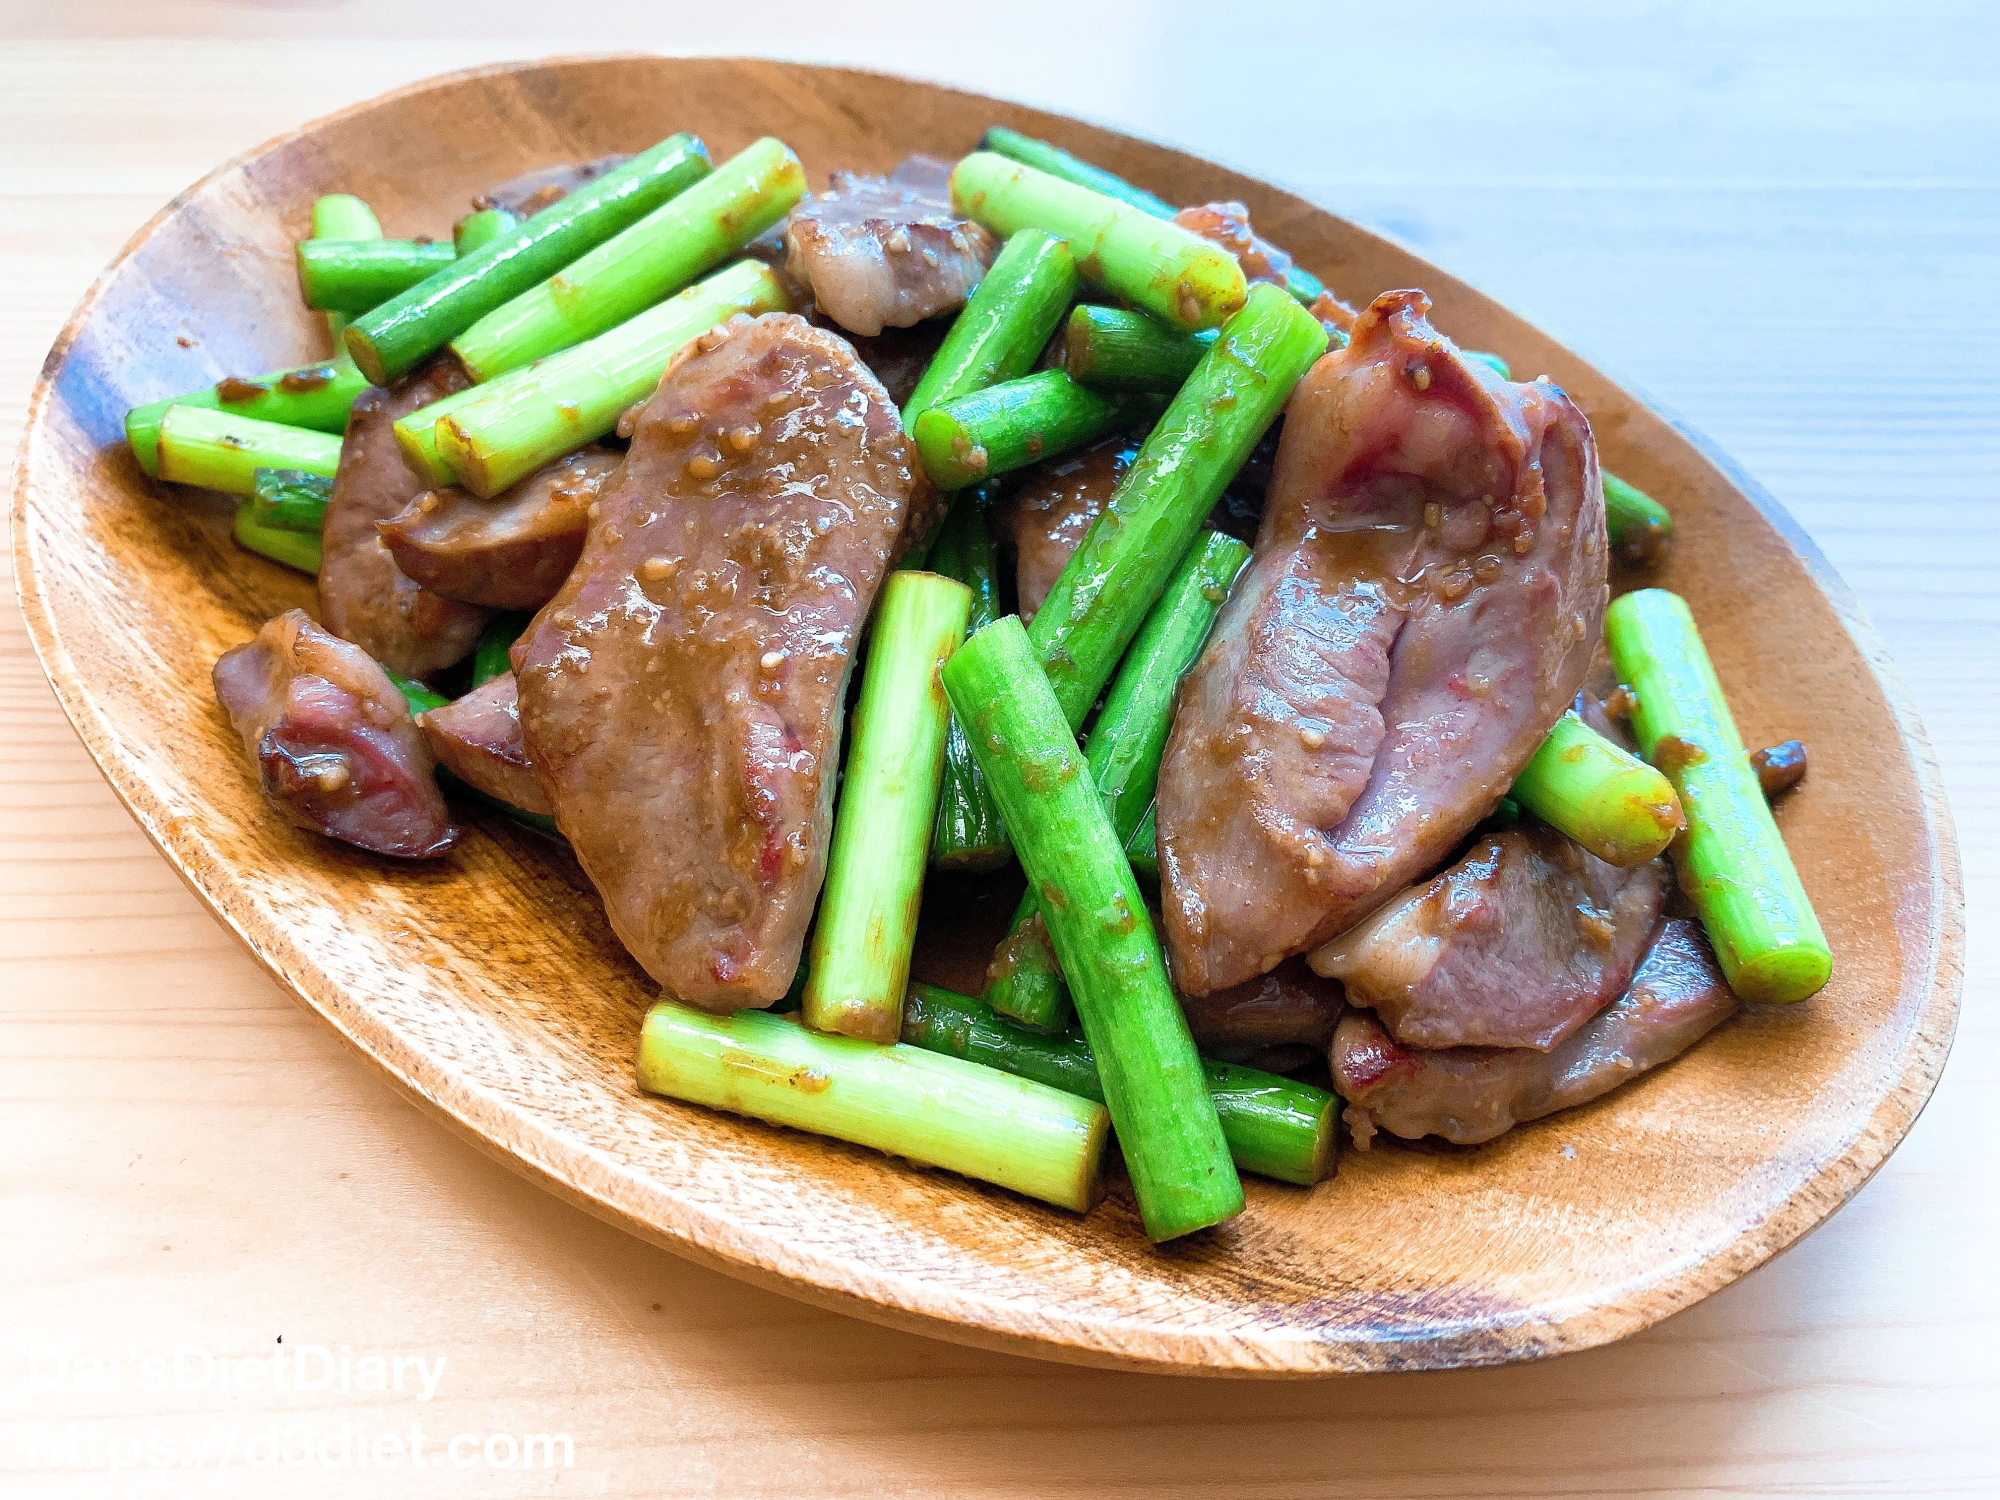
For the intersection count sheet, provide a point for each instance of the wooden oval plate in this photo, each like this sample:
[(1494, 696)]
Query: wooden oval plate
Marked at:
[(490, 989)]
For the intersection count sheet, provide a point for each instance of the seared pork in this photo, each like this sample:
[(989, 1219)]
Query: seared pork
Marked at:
[(899, 356), (510, 552), (1289, 1007), (681, 696), (363, 596), (1516, 945), (332, 739), (1428, 587), (1049, 515), (478, 739), (887, 252), (1472, 1094)]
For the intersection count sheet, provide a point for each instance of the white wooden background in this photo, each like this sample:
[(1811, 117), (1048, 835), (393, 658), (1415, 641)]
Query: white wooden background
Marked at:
[(1780, 220)]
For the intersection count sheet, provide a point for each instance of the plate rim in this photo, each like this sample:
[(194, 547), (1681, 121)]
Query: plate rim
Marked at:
[(857, 1289)]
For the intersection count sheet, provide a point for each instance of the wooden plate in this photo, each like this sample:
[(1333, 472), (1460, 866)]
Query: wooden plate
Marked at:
[(489, 987)]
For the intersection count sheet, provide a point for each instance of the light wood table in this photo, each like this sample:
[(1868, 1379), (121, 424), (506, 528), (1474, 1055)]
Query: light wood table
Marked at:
[(1782, 225)]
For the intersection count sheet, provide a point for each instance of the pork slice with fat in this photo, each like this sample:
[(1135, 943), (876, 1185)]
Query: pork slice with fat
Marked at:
[(887, 252)]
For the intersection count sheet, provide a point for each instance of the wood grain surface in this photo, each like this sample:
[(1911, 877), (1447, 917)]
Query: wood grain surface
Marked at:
[(144, 1116)]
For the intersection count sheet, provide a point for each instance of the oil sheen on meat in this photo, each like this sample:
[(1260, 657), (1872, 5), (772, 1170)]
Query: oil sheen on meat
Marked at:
[(332, 741), (681, 698), (1472, 1094), (1516, 945), (1428, 585)]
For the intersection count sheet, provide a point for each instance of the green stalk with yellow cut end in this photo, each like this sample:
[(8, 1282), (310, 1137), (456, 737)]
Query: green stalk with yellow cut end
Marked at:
[(1607, 799), (1114, 349), (416, 433), (1171, 272), (994, 431), (532, 416), (867, 923), (218, 450), (903, 1100), (1043, 156), (681, 240), (1732, 861)]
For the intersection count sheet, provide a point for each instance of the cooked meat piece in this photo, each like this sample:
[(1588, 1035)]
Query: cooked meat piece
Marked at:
[(1428, 586), (1780, 767), (478, 739), (1049, 515), (363, 596), (681, 696), (1335, 316), (332, 739), (1291, 1004), (899, 356), (1472, 1094), (1516, 945), (510, 552), (1228, 224), (887, 252), (531, 192)]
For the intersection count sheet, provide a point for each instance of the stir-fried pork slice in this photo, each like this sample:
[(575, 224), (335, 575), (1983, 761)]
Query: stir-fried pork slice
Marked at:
[(1516, 945), (363, 596), (887, 252), (1049, 515), (1291, 1005), (531, 192), (332, 739), (478, 739), (681, 696), (510, 552), (1472, 1094), (1428, 586), (899, 356)]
